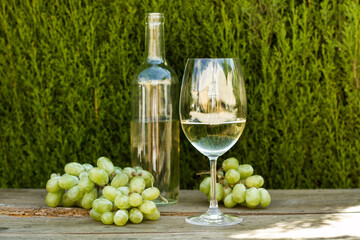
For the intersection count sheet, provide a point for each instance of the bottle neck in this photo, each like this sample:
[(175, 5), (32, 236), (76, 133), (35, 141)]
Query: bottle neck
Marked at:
[(154, 38)]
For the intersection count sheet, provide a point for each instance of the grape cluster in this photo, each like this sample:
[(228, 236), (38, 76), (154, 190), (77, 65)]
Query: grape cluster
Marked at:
[(236, 184), (114, 195)]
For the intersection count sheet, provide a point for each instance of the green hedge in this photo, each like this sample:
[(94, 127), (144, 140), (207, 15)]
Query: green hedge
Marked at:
[(65, 70)]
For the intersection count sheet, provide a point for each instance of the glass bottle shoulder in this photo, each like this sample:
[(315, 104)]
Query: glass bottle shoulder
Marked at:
[(161, 73)]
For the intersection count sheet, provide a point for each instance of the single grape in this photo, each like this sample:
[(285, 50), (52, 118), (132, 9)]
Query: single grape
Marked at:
[(150, 193), (130, 172), (230, 163), (205, 185), (254, 181), (135, 199), (95, 215), (107, 218), (137, 185), (239, 193), (154, 216), (111, 193), (147, 207), (232, 176), (135, 216), (265, 197), (83, 175), (54, 175), (68, 181), (122, 202), (89, 198), (66, 201), (106, 164), (87, 167), (227, 191), (54, 199), (120, 180), (245, 171), (229, 201), (99, 176), (102, 205), (117, 170), (124, 190), (147, 176), (74, 193), (121, 217), (221, 174), (137, 168), (74, 168), (219, 192), (52, 185), (252, 197), (86, 185)]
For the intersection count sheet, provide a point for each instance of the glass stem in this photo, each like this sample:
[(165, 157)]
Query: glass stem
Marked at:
[(213, 200)]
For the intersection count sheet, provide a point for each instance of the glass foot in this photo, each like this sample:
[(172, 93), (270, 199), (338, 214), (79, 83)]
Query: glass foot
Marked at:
[(214, 220)]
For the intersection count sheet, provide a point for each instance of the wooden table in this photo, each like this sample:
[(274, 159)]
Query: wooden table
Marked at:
[(299, 214)]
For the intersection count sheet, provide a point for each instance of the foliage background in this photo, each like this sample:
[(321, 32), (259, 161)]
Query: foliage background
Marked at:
[(65, 69)]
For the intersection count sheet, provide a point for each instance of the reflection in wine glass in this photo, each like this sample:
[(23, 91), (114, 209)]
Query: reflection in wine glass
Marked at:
[(213, 116)]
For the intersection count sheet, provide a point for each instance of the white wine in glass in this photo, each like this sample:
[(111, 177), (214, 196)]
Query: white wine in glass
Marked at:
[(213, 116)]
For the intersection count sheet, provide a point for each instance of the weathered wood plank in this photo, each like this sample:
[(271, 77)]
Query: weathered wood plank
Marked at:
[(31, 202), (324, 226)]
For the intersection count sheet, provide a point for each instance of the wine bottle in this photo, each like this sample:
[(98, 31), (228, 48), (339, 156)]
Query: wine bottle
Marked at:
[(155, 143)]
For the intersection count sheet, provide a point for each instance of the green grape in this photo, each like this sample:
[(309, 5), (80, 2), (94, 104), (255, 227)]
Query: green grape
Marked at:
[(137, 185), (107, 218), (74, 193), (106, 164), (205, 185), (239, 193), (232, 176), (122, 202), (121, 217), (102, 205), (124, 190), (254, 181), (54, 175), (229, 201), (117, 170), (66, 201), (110, 193), (221, 174), (83, 175), (150, 193), (120, 180), (245, 171), (230, 163), (130, 172), (52, 185), (135, 216), (87, 167), (227, 191), (252, 197), (225, 182), (89, 198), (86, 185), (147, 176), (54, 199), (219, 192), (135, 199), (137, 168), (147, 207), (68, 181), (265, 197), (74, 168), (99, 176), (95, 215), (154, 216)]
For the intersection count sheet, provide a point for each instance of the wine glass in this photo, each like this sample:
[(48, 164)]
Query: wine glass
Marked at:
[(213, 116)]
